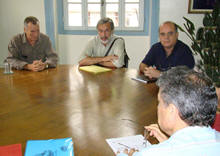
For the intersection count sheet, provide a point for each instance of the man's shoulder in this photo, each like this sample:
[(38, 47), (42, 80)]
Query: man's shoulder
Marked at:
[(18, 38), (181, 47), (115, 37), (181, 44), (157, 46), (44, 36)]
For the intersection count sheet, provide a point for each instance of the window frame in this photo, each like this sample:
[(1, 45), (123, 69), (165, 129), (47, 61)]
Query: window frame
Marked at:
[(85, 26)]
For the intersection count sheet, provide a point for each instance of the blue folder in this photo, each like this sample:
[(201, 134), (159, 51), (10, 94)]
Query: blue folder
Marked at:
[(52, 147)]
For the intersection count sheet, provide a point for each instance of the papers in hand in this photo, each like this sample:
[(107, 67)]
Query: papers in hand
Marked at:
[(120, 144), (55, 147), (94, 69)]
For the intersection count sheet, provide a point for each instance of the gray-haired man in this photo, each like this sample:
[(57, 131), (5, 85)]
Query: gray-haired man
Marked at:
[(105, 49), (187, 107), (31, 50)]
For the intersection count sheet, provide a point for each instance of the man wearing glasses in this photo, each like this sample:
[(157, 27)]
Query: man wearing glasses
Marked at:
[(167, 53), (105, 49)]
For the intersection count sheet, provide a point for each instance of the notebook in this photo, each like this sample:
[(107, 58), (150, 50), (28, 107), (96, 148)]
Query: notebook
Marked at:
[(120, 144), (11, 150), (55, 147), (94, 69)]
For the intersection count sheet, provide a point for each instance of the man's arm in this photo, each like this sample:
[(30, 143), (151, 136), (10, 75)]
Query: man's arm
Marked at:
[(51, 56), (154, 131), (13, 55), (142, 67), (105, 61), (37, 65), (150, 72)]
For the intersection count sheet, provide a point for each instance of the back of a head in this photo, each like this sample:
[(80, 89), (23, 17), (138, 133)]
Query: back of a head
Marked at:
[(31, 19), (192, 93)]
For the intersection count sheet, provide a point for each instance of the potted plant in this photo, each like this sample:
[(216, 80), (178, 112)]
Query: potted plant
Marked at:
[(206, 44)]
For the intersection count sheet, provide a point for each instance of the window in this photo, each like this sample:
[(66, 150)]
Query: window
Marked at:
[(84, 14)]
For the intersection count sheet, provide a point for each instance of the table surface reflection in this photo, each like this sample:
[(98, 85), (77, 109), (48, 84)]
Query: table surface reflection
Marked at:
[(66, 102)]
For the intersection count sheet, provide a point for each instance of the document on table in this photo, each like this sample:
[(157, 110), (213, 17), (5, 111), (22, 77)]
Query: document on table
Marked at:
[(94, 69), (129, 142)]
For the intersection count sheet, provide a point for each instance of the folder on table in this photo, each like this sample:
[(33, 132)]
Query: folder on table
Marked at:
[(61, 147), (94, 69), (11, 150)]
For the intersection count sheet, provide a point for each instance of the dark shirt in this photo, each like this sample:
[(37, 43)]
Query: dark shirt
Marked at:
[(181, 55)]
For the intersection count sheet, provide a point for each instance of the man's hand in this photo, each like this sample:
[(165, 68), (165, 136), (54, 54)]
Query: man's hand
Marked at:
[(155, 131), (37, 65), (129, 153), (151, 72), (110, 58)]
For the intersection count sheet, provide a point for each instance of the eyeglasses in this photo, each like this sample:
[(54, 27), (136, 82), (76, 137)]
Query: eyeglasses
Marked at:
[(169, 34)]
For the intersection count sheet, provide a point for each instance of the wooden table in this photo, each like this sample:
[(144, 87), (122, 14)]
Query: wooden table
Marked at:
[(65, 102)]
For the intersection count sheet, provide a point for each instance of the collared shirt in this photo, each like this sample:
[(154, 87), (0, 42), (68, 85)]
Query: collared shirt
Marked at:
[(181, 55), (190, 141), (95, 48), (21, 52)]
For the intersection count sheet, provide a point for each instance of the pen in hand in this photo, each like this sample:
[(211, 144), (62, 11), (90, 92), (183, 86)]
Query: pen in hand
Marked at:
[(146, 136)]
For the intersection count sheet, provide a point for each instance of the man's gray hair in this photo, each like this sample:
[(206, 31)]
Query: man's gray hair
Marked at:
[(30, 19), (192, 93), (106, 20)]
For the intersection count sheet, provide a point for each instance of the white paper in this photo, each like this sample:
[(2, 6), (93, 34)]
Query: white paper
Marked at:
[(119, 144)]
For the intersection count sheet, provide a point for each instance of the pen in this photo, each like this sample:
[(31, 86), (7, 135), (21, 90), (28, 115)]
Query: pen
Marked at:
[(125, 145), (143, 81)]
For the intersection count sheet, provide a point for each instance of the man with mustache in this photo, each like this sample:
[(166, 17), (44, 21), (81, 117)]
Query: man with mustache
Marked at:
[(105, 49), (167, 53), (31, 50)]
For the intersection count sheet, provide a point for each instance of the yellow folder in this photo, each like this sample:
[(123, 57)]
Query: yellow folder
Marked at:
[(94, 69)]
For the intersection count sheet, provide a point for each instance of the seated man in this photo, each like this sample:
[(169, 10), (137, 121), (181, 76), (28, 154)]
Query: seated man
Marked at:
[(31, 50), (106, 49), (167, 53), (187, 107)]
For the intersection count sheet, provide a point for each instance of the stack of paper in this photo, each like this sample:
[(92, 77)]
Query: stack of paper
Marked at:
[(52, 147), (94, 69), (11, 150), (120, 144)]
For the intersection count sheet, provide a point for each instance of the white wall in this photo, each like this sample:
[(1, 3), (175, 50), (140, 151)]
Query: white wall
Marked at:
[(12, 14)]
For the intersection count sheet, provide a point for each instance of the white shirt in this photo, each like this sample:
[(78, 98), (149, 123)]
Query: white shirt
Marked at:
[(190, 141), (95, 48)]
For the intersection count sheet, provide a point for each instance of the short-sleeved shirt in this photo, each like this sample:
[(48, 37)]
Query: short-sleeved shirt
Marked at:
[(189, 141), (21, 52), (181, 55), (95, 48)]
